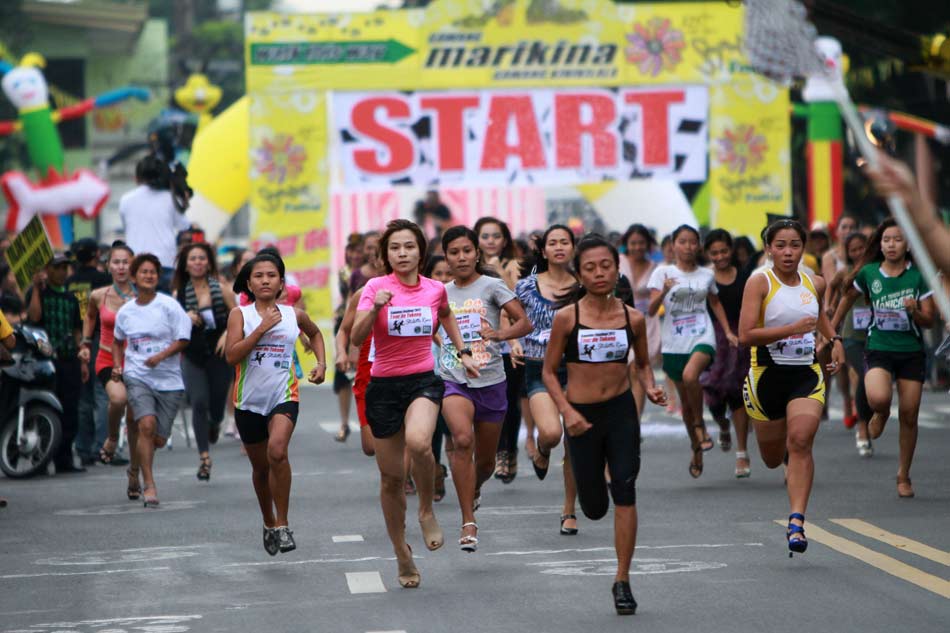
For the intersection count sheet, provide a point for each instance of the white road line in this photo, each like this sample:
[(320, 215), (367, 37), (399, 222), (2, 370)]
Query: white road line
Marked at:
[(313, 561), (348, 538), (83, 573), (610, 549), (399, 631), (365, 582)]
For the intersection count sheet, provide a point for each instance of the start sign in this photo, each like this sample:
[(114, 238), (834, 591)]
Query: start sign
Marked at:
[(530, 136)]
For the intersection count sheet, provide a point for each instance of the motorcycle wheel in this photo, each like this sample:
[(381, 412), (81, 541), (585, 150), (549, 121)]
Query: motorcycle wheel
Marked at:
[(42, 433)]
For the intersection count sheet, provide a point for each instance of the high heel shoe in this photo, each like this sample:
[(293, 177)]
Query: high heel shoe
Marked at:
[(204, 469), (409, 576), (133, 490), (623, 598), (798, 544), (469, 543), (150, 501)]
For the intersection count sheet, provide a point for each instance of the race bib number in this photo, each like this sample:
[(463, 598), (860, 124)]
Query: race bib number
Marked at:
[(469, 326), (601, 346), (892, 320), (796, 347), (861, 318), (146, 345), (689, 325), (410, 321), (541, 336)]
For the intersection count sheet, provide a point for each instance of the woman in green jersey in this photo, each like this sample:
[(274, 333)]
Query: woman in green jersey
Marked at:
[(902, 307)]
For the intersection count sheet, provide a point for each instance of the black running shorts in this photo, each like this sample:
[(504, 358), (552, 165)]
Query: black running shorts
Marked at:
[(388, 398)]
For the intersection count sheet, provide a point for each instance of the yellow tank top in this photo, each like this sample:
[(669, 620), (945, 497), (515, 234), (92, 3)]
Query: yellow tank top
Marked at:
[(784, 305)]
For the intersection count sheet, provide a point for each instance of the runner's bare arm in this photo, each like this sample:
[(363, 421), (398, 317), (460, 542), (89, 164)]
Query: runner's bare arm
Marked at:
[(922, 311), (519, 324), (848, 297), (641, 357), (89, 322), (312, 331), (342, 339), (720, 315), (563, 323)]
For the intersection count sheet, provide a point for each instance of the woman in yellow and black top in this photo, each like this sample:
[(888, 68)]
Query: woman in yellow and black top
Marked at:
[(902, 306), (784, 392)]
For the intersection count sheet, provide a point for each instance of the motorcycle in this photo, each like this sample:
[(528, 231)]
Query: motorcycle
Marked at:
[(30, 426)]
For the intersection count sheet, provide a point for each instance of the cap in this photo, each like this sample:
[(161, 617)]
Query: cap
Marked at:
[(61, 257), (819, 227), (85, 249)]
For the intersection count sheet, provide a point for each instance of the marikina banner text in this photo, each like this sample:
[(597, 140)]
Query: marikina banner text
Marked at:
[(352, 116)]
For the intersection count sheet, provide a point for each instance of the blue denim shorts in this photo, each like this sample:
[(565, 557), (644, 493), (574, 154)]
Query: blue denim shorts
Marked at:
[(532, 376)]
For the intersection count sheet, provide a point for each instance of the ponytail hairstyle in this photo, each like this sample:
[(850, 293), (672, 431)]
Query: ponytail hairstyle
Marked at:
[(460, 231), (586, 243), (153, 172), (508, 250), (535, 262), (243, 277)]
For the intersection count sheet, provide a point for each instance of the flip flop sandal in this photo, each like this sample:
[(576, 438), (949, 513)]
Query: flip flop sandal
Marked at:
[(696, 470)]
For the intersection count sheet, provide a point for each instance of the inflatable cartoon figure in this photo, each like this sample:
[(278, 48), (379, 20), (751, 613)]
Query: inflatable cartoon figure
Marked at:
[(58, 193), (198, 96)]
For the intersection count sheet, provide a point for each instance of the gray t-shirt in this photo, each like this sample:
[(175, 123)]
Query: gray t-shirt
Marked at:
[(482, 299)]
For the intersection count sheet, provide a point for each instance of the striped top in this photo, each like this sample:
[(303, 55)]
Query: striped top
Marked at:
[(540, 312), (266, 378), (784, 305)]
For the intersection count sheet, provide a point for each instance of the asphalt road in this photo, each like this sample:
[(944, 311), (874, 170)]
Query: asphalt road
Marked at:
[(78, 557)]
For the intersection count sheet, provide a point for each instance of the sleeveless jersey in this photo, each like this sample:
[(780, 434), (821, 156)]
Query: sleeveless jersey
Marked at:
[(784, 305), (266, 378)]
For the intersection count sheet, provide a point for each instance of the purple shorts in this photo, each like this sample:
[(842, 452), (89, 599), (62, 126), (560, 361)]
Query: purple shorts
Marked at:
[(491, 403)]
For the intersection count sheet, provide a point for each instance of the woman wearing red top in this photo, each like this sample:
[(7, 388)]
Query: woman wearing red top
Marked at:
[(403, 309), (103, 304)]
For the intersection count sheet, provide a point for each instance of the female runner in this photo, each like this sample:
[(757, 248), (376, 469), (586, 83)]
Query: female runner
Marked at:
[(722, 384), (539, 292), (403, 398), (103, 304), (784, 392), (595, 334), (902, 307), (474, 408), (854, 332), (436, 268), (260, 344), (157, 330), (206, 373), (498, 252), (638, 266), (689, 341)]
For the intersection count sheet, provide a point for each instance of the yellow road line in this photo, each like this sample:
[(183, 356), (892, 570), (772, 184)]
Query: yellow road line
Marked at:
[(885, 563), (895, 540)]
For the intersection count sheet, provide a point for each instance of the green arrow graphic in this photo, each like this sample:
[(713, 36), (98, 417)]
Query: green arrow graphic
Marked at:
[(365, 52)]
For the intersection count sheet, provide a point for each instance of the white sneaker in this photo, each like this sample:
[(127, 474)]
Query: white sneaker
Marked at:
[(864, 447)]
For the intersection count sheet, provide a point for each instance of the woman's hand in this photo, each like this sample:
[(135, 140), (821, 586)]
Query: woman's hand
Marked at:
[(733, 339), (837, 357), (488, 332), (382, 298), (152, 361), (804, 325), (318, 374), (911, 305), (195, 319), (517, 353), (117, 374), (343, 363), (668, 284), (657, 396), (575, 423), (221, 345), (270, 318), (84, 353), (470, 365)]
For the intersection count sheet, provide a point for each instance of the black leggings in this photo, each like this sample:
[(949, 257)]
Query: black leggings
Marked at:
[(614, 440), (508, 440)]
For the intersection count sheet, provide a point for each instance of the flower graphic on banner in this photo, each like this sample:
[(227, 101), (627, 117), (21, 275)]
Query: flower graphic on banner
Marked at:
[(279, 159), (655, 46), (741, 148)]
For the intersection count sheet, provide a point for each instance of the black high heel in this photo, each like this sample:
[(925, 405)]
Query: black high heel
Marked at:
[(204, 470), (799, 544), (623, 598)]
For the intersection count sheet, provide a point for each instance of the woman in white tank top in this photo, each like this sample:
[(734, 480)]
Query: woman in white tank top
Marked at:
[(784, 392), (260, 344)]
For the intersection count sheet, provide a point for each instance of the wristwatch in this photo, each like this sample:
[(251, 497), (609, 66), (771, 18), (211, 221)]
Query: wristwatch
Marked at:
[(465, 351), (837, 337)]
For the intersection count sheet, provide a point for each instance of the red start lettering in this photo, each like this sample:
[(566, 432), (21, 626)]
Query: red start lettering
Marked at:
[(450, 127), (571, 131), (656, 123), (398, 146)]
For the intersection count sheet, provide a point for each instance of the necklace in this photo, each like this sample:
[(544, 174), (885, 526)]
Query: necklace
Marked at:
[(121, 294)]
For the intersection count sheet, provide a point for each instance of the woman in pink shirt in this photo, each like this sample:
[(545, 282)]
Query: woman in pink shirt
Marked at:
[(402, 310)]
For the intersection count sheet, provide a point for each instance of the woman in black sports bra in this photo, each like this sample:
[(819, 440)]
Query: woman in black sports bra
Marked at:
[(595, 335)]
